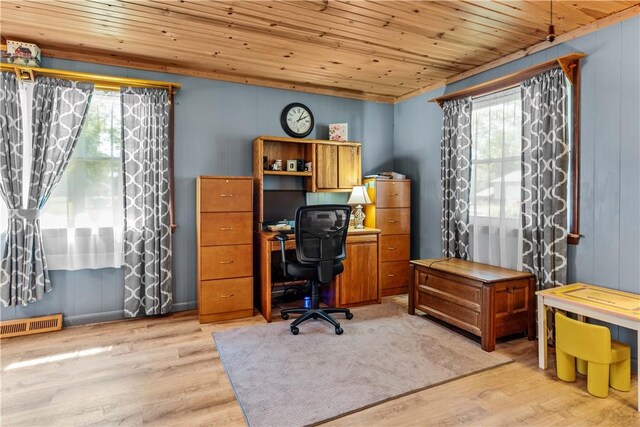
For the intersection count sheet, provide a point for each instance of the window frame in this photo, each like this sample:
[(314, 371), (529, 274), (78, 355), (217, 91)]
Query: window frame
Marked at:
[(570, 64)]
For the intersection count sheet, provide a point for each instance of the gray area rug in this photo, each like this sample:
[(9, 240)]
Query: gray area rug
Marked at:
[(286, 380)]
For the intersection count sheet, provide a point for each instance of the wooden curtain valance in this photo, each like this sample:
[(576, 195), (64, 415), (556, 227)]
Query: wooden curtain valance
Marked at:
[(569, 64), (100, 81)]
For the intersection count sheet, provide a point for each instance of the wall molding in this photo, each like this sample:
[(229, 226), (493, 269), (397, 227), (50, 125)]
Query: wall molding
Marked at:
[(110, 316)]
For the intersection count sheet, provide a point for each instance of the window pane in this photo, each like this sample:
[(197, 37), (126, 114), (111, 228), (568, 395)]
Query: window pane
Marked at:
[(90, 191)]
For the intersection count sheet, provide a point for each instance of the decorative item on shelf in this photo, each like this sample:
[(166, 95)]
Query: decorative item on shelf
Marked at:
[(292, 165), (265, 162), (300, 165), (297, 120), (25, 54), (308, 167), (339, 132), (359, 197), (277, 165)]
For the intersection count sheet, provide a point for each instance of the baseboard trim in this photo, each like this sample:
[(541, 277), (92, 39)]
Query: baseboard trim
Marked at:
[(110, 316)]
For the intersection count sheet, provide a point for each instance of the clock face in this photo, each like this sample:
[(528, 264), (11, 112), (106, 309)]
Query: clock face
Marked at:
[(297, 120)]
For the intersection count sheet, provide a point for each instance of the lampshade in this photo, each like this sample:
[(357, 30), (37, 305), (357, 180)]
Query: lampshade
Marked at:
[(359, 196)]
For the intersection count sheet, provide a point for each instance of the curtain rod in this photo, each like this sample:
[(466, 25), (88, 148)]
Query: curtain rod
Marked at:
[(101, 82), (566, 62)]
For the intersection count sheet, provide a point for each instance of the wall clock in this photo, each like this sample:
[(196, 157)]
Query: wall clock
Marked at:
[(297, 120)]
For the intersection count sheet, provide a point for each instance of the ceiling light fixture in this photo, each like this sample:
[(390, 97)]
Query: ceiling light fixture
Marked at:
[(552, 31)]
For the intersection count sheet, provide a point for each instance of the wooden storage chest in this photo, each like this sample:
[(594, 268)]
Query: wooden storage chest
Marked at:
[(488, 301)]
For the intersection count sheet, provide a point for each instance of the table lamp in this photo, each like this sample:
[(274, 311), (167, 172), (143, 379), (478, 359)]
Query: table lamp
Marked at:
[(359, 197)]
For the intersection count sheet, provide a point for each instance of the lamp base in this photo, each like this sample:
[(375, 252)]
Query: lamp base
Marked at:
[(358, 216)]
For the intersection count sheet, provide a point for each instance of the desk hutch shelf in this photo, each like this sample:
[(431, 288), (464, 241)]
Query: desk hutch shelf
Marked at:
[(335, 166)]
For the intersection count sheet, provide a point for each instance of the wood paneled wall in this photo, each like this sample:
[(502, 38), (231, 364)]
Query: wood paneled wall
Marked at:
[(215, 123), (609, 253)]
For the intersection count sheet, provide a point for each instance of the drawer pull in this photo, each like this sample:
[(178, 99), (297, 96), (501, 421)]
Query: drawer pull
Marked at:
[(393, 194), (226, 228), (226, 195), (392, 275), (392, 248), (392, 220), (226, 262), (226, 296)]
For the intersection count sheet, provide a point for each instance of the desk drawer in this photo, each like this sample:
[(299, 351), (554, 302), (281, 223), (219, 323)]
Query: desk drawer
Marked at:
[(390, 194), (395, 274), (226, 195), (394, 247), (226, 228), (393, 221), (221, 296), (221, 262), (458, 315)]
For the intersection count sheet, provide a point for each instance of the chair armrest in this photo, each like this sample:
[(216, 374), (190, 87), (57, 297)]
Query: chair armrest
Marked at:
[(282, 238)]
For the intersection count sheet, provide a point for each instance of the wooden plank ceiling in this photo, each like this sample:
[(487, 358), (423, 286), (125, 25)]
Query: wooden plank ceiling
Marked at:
[(377, 50)]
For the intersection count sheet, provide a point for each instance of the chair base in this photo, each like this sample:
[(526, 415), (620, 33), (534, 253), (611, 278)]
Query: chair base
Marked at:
[(315, 313)]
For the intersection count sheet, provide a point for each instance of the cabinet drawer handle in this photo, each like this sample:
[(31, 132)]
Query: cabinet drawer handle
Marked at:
[(226, 262), (392, 248), (392, 275), (226, 195), (392, 220), (226, 228), (226, 296), (393, 194)]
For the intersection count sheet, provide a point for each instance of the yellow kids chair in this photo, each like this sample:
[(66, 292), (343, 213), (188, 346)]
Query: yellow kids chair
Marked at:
[(606, 361)]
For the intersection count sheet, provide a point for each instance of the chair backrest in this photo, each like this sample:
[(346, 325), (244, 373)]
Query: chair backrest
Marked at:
[(321, 235), (582, 340)]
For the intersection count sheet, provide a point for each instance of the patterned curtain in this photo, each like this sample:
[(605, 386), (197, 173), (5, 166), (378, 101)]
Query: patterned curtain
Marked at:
[(455, 177), (59, 109), (545, 161), (11, 191), (147, 225)]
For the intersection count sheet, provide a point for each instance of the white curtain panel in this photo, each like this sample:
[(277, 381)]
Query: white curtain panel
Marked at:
[(83, 219), (495, 233)]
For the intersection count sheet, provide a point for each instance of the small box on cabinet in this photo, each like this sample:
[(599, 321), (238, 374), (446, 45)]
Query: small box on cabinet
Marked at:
[(339, 132), (25, 54)]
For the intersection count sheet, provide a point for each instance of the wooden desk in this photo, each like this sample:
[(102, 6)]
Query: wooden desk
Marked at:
[(488, 301), (609, 305), (359, 284)]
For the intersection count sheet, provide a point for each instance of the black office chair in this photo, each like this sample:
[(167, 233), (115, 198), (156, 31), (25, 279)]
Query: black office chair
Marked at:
[(321, 234)]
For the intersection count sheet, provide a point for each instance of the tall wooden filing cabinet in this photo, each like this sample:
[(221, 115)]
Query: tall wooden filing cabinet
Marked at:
[(224, 209), (391, 213)]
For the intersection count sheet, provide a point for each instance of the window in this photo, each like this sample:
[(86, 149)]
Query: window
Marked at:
[(494, 214), (570, 64), (82, 221)]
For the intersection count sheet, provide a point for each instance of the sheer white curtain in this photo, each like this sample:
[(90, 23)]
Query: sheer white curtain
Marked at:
[(82, 221), (494, 220)]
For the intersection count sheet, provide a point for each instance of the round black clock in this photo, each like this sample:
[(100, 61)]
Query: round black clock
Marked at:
[(297, 120)]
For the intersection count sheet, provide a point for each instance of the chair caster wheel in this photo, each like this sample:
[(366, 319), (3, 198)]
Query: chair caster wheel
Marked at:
[(295, 330), (315, 316), (339, 331), (349, 316), (285, 316)]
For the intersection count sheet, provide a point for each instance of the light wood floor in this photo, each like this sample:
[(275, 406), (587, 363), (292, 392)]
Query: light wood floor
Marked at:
[(166, 371)]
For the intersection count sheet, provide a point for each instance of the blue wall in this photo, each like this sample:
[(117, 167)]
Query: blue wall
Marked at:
[(215, 123), (609, 253)]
